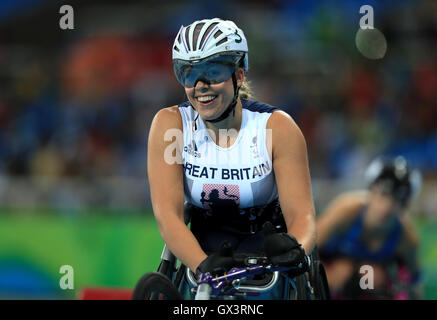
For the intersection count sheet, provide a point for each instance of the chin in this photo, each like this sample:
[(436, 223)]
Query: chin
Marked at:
[(211, 116), (210, 113)]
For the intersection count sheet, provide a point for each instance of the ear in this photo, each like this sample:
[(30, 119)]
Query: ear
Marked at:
[(239, 73)]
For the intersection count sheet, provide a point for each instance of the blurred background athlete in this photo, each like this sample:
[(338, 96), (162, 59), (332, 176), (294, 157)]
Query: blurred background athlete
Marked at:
[(372, 227)]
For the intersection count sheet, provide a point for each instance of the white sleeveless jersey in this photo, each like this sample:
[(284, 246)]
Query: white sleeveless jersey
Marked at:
[(239, 176)]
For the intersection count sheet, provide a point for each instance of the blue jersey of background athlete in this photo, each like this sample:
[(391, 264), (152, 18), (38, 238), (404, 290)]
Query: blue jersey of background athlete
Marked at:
[(350, 244)]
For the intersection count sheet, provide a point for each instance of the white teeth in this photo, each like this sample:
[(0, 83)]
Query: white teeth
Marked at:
[(206, 98)]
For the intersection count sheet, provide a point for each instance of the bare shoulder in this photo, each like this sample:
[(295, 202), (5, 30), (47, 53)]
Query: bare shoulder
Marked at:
[(340, 214), (346, 206), (165, 129), (168, 117), (355, 198), (281, 121), (287, 138)]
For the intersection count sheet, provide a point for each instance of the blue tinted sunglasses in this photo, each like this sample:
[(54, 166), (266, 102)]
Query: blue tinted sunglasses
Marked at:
[(212, 70)]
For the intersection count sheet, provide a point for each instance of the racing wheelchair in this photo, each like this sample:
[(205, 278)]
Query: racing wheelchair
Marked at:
[(255, 278)]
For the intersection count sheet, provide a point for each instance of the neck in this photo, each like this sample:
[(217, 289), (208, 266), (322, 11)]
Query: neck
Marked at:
[(233, 121)]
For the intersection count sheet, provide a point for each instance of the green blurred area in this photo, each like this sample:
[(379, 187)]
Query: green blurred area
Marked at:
[(428, 256), (104, 251), (108, 251)]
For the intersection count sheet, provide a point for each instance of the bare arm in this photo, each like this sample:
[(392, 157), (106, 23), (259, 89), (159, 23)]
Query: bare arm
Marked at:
[(290, 164), (166, 187), (339, 214)]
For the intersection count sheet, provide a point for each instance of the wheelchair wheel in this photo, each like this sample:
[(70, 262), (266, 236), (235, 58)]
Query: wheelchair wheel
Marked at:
[(302, 291), (166, 268), (319, 281), (155, 285)]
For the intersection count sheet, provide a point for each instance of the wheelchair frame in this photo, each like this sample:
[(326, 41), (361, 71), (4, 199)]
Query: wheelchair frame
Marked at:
[(312, 285)]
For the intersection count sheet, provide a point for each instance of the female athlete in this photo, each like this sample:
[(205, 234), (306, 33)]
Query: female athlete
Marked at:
[(239, 164), (371, 228)]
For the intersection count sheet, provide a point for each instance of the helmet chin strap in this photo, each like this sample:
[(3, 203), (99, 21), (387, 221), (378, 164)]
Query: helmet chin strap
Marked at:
[(231, 107)]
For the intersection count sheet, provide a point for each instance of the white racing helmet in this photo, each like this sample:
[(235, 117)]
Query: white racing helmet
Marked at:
[(203, 41), (205, 38)]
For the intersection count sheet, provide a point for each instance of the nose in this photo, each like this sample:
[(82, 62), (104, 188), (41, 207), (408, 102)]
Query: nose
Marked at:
[(201, 84)]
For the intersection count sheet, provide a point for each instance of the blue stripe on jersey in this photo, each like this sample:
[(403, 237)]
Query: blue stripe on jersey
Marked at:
[(184, 104), (257, 106)]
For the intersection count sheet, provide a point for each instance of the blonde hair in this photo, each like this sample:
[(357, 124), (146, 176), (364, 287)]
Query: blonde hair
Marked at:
[(245, 92)]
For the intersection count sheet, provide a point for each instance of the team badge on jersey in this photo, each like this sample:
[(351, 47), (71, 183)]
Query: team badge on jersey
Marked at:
[(220, 196)]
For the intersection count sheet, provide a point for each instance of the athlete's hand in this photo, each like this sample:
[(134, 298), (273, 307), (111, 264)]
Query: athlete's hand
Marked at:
[(218, 262), (284, 250)]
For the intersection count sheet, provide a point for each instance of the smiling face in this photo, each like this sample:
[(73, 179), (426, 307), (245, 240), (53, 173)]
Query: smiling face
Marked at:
[(211, 100)]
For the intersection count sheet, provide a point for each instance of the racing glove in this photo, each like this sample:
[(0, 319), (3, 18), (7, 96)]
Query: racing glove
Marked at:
[(283, 250), (218, 262)]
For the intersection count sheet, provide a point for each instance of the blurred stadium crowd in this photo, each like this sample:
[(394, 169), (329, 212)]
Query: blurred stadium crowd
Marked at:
[(76, 105)]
